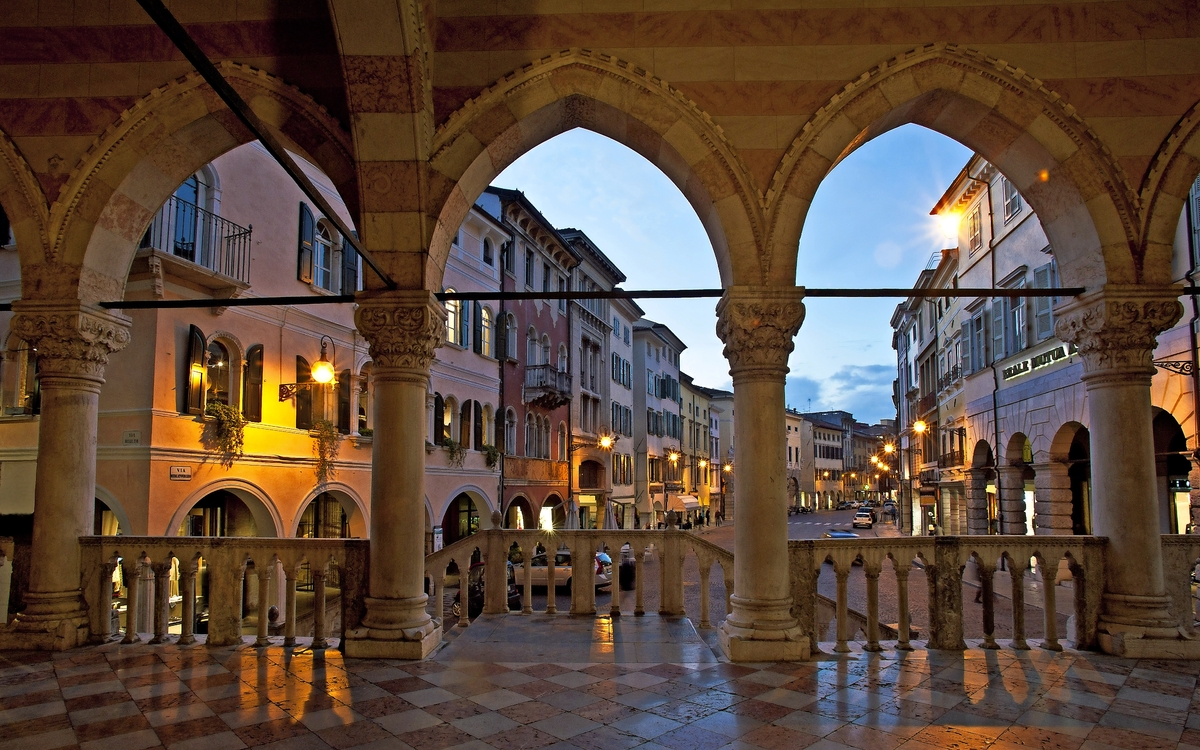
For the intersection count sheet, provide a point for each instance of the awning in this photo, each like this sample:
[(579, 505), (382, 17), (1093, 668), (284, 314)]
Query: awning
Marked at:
[(682, 503)]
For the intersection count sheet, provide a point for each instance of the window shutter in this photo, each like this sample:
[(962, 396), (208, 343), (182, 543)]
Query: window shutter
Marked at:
[(464, 322), (1043, 323), (478, 424), (349, 268), (477, 326), (500, 335), (252, 390), (304, 396), (343, 402), (998, 352), (304, 252), (439, 418), (197, 351)]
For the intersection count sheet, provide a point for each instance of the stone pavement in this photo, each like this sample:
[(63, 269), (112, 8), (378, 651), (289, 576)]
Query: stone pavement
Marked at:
[(132, 697)]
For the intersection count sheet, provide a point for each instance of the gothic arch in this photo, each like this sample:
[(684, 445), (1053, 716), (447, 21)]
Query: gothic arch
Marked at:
[(1079, 191), (581, 88), (112, 194), (1172, 172), (24, 202)]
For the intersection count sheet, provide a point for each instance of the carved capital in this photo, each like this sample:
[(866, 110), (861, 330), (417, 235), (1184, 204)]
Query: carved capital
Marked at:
[(758, 326), (404, 329), (1116, 328), (72, 339)]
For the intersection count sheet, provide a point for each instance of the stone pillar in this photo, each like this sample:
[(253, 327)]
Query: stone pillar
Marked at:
[(1012, 500), (404, 329), (1052, 500), (73, 343), (977, 512), (757, 325), (1115, 329)]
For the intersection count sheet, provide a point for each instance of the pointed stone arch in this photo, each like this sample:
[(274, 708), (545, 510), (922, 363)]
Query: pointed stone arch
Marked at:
[(113, 192), (1079, 191), (24, 202), (1172, 172), (581, 88)]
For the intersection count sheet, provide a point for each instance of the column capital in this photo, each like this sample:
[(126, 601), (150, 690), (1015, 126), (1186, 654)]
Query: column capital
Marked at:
[(404, 329), (758, 326), (1116, 327), (72, 339)]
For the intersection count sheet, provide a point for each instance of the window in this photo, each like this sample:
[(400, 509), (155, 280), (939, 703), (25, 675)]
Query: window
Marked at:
[(510, 345), (545, 348), (323, 259), (350, 282), (510, 432), (453, 310), (529, 268), (304, 250), (616, 326), (464, 322), (252, 387), (626, 334), (562, 287), (1044, 277), (364, 397), (562, 441), (545, 276), (486, 333), (477, 327), (1012, 199), (488, 255), (343, 402), (506, 256), (531, 347), (530, 439), (974, 230), (304, 396)]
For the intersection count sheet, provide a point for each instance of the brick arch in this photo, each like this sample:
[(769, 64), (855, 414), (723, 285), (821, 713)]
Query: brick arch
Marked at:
[(580, 88), (115, 190), (1079, 191), (1172, 172), (24, 202)]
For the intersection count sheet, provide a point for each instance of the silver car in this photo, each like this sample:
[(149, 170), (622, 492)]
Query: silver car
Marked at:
[(538, 569)]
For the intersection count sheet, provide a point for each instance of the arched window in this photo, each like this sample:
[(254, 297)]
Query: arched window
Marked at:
[(545, 348), (364, 398), (486, 333), (451, 413), (510, 335), (476, 426), (488, 256), (186, 218), (562, 441), (218, 372), (464, 425), (489, 425), (546, 437), (562, 357), (510, 432), (252, 387), (453, 309), (439, 419), (323, 258), (531, 355), (530, 438)]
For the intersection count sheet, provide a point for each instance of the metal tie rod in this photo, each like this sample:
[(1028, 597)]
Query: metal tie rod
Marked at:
[(179, 36)]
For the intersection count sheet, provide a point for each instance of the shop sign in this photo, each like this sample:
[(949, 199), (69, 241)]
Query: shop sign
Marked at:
[(181, 473), (1038, 361)]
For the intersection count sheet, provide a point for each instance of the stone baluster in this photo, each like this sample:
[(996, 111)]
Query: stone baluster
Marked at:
[(289, 604), (526, 581), (639, 587), (727, 575), (551, 580), (987, 571), (614, 605), (187, 591), (495, 557), (757, 326), (263, 571), (945, 596), (872, 571), (670, 565), (404, 329), (73, 342), (1115, 330), (103, 603), (132, 568), (843, 609), (1050, 606), (162, 599), (320, 633), (902, 571), (705, 574), (1016, 569)]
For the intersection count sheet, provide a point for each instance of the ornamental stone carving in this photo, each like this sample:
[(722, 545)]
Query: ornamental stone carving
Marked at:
[(1118, 329), (758, 328), (404, 329), (73, 341)]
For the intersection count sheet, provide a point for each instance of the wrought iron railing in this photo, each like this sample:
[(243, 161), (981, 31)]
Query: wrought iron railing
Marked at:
[(950, 379), (951, 458), (189, 232)]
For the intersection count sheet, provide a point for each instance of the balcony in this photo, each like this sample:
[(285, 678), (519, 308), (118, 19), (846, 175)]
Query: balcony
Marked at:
[(546, 386), (926, 404), (950, 379), (535, 469), (188, 242), (951, 459)]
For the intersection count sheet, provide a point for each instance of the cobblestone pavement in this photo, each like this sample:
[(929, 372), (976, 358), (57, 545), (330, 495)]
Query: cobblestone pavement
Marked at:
[(140, 696)]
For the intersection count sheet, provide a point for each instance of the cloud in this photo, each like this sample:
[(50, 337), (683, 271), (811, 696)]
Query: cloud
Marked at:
[(865, 391), (888, 254), (803, 393)]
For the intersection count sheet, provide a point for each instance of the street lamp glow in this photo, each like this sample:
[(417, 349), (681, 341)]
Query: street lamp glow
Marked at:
[(672, 456), (322, 369), (919, 427), (727, 468), (704, 463), (605, 442), (889, 448)]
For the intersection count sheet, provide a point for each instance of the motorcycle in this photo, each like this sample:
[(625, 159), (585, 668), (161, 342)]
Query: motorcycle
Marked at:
[(475, 589)]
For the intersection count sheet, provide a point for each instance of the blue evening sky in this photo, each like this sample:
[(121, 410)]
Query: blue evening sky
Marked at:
[(868, 227)]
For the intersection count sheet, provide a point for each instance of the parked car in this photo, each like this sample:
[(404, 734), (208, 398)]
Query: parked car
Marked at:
[(539, 569), (864, 518), (845, 505), (475, 589), (628, 569), (839, 534)]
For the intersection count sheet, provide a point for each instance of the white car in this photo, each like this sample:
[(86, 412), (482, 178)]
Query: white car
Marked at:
[(562, 570), (864, 519)]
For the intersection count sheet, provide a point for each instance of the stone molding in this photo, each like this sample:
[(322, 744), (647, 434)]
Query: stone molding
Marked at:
[(72, 341), (404, 329), (758, 326), (1116, 329)]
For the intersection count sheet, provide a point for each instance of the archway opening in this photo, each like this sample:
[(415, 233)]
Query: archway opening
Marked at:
[(105, 521), (519, 515), (228, 512), (460, 520), (1172, 469), (1079, 461), (553, 514)]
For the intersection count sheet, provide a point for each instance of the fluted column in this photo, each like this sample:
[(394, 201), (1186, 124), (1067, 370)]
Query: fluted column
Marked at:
[(977, 511), (1115, 329), (1012, 500), (757, 325), (73, 342), (403, 329), (1052, 500)]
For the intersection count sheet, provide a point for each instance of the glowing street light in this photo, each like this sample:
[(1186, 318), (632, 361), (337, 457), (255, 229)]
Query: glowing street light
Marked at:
[(889, 448), (606, 442), (919, 427), (322, 369)]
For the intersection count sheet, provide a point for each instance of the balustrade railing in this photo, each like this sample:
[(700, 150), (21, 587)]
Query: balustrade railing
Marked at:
[(494, 546), (547, 376), (927, 404), (187, 231), (198, 576), (950, 458)]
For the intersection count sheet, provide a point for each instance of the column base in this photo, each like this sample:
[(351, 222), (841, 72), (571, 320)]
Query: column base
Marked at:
[(44, 633), (762, 631), (1141, 627), (394, 629), (1133, 643)]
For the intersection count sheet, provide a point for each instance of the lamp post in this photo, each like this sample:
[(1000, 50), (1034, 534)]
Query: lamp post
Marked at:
[(322, 372)]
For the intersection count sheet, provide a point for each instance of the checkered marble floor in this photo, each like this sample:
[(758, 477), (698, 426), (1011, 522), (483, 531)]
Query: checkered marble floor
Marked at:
[(132, 697)]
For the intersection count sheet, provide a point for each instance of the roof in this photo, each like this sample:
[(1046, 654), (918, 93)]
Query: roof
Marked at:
[(584, 243), (660, 330), (516, 196)]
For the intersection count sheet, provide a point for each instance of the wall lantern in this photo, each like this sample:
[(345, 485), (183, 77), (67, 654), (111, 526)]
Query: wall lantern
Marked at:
[(322, 371)]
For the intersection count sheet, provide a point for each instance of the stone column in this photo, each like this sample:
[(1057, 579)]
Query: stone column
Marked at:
[(1052, 500), (1012, 500), (1115, 329), (977, 512), (757, 325), (73, 342), (403, 329)]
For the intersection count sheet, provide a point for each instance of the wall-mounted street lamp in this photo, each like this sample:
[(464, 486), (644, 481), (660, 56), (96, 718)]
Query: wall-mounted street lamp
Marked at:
[(322, 371)]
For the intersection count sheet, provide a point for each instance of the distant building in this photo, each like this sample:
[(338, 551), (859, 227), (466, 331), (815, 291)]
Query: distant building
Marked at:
[(658, 431)]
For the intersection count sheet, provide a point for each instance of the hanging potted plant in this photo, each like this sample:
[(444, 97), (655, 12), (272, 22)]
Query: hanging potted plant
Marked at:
[(326, 443), (224, 431), (456, 453), (491, 456)]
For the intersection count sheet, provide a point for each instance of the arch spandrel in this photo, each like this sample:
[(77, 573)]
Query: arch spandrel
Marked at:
[(580, 88), (1069, 177), (1172, 173), (24, 203), (113, 193)]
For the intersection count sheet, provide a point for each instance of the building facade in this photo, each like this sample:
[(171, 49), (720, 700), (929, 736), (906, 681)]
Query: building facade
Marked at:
[(657, 397)]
